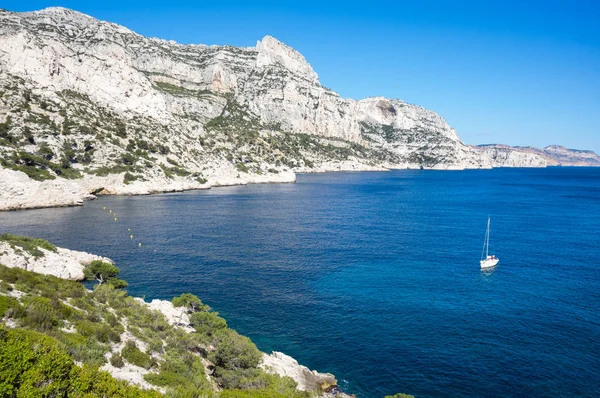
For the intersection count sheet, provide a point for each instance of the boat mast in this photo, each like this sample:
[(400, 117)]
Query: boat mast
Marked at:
[(486, 242), (487, 235)]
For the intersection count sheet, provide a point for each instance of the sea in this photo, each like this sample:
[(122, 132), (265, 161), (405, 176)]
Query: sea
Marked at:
[(375, 276)]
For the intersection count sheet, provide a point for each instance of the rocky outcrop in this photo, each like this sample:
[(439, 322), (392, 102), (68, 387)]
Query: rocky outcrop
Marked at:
[(17, 191), (64, 263), (176, 316), (308, 380), (554, 155)]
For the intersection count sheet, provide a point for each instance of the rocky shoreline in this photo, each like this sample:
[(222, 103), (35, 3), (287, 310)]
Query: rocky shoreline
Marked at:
[(69, 264)]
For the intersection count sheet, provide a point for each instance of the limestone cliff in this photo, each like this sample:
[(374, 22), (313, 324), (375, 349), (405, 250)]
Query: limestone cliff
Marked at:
[(112, 111), (554, 155)]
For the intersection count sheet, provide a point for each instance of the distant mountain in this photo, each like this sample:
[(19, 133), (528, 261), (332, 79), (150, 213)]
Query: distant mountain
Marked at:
[(553, 155)]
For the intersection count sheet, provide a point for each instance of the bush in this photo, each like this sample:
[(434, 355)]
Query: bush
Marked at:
[(191, 302), (86, 350), (241, 167), (234, 351), (99, 331), (35, 365), (134, 356), (40, 314), (116, 360), (129, 178), (5, 287), (8, 306), (44, 285), (208, 323)]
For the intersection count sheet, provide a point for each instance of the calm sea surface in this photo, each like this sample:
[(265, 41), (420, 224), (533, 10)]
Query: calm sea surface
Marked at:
[(375, 276)]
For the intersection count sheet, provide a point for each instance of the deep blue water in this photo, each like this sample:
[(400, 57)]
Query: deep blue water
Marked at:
[(375, 276)]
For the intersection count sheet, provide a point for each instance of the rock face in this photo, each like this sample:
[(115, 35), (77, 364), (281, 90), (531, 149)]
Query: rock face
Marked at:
[(507, 156), (118, 113), (64, 263), (17, 191), (560, 156), (554, 155), (308, 380)]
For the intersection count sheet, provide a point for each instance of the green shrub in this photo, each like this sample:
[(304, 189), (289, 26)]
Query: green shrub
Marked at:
[(234, 351), (134, 356), (29, 245), (99, 331), (208, 323), (241, 167), (5, 287), (116, 360), (8, 306), (104, 171), (35, 365), (129, 178), (40, 314), (191, 302), (166, 379), (29, 360), (44, 285), (45, 152), (86, 350)]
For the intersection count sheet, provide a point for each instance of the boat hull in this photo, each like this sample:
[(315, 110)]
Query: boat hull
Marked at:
[(489, 262)]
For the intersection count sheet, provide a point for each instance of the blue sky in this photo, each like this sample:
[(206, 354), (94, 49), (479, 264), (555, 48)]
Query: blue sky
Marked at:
[(516, 72)]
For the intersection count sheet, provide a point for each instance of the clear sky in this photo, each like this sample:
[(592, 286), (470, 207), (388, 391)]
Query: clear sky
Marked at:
[(500, 71)]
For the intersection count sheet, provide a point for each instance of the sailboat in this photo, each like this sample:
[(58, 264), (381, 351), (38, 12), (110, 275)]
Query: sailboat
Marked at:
[(487, 261)]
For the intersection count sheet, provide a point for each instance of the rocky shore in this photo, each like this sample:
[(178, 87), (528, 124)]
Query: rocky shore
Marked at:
[(69, 264)]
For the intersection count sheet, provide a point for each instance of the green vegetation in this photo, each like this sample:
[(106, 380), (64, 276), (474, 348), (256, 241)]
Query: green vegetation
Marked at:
[(116, 360), (84, 326), (129, 178), (104, 272), (30, 245), (135, 356), (36, 167), (241, 167), (191, 302), (36, 365)]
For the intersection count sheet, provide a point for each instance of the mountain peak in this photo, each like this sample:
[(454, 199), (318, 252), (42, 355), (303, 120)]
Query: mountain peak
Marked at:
[(273, 52)]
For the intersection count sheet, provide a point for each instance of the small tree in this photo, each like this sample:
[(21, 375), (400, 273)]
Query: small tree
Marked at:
[(103, 272), (234, 351), (191, 302)]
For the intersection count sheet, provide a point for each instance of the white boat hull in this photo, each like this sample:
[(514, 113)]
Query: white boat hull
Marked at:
[(489, 262)]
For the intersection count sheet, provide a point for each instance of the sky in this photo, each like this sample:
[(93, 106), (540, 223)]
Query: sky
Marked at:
[(499, 71)]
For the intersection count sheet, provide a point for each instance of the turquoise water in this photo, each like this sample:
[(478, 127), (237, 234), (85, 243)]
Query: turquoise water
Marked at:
[(375, 276)]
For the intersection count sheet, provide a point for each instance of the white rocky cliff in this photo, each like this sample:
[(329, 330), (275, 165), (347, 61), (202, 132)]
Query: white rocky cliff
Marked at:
[(62, 263), (553, 155), (118, 113)]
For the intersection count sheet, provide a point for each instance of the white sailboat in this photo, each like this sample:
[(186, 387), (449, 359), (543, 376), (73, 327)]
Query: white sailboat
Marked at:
[(487, 261)]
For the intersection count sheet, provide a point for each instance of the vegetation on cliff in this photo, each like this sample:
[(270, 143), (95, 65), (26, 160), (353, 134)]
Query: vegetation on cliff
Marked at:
[(58, 324)]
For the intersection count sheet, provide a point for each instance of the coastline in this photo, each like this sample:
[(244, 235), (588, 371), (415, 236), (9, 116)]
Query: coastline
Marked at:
[(70, 265)]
